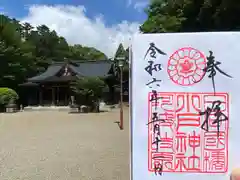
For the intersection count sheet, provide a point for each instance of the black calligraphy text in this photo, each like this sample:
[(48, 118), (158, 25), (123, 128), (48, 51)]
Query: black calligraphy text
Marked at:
[(212, 68), (216, 110)]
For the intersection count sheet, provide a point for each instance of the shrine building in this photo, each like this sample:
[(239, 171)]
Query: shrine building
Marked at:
[(52, 87)]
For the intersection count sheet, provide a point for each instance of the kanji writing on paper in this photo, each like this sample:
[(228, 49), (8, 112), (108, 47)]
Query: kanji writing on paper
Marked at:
[(217, 113), (211, 68), (153, 50), (151, 55), (150, 68), (183, 146)]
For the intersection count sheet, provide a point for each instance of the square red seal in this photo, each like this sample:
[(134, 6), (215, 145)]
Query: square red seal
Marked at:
[(188, 132)]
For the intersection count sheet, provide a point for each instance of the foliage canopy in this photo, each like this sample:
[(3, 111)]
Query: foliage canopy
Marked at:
[(26, 51), (192, 16), (7, 96), (88, 89)]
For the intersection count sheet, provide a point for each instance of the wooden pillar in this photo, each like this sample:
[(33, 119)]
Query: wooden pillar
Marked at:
[(36, 96), (66, 99), (53, 96), (40, 96), (57, 95), (28, 97)]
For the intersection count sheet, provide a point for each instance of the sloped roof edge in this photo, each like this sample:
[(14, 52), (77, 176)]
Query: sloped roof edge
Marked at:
[(74, 61), (51, 71), (80, 67)]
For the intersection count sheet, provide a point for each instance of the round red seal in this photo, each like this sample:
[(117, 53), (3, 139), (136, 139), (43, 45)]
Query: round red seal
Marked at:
[(186, 66)]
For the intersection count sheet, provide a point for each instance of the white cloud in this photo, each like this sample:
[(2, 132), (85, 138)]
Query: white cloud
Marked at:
[(2, 11), (72, 23), (129, 3), (139, 6)]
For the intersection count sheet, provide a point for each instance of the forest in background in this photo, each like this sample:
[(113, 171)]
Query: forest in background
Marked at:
[(26, 51), (191, 16)]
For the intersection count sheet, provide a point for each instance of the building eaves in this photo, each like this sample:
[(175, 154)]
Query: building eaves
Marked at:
[(51, 71)]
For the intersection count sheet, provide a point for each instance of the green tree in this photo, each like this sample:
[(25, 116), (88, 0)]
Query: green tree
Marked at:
[(15, 54), (162, 17), (121, 52), (85, 53), (116, 78), (7, 96), (26, 51), (120, 55), (191, 16), (88, 90)]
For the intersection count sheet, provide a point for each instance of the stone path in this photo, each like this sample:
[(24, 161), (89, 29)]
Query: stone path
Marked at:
[(62, 146)]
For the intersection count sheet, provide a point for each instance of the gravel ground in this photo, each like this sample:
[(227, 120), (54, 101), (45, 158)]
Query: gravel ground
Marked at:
[(58, 145)]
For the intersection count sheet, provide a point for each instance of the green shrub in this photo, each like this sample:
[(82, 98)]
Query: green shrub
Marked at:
[(7, 96), (88, 90)]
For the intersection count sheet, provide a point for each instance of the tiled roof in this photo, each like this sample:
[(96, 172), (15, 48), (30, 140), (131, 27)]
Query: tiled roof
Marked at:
[(51, 71), (95, 68)]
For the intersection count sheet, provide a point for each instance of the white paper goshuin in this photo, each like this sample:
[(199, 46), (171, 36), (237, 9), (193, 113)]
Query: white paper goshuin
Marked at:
[(185, 94)]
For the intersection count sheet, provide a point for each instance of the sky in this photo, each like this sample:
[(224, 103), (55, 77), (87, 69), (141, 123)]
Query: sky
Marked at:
[(102, 24)]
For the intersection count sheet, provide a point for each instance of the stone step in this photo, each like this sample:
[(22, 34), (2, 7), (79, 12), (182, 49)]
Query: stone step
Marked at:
[(59, 108), (45, 108)]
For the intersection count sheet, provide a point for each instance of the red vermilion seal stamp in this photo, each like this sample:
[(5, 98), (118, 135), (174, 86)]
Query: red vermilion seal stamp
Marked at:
[(186, 66), (183, 146)]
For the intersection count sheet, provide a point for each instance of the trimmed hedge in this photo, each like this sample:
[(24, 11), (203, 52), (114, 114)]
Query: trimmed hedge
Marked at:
[(8, 96)]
